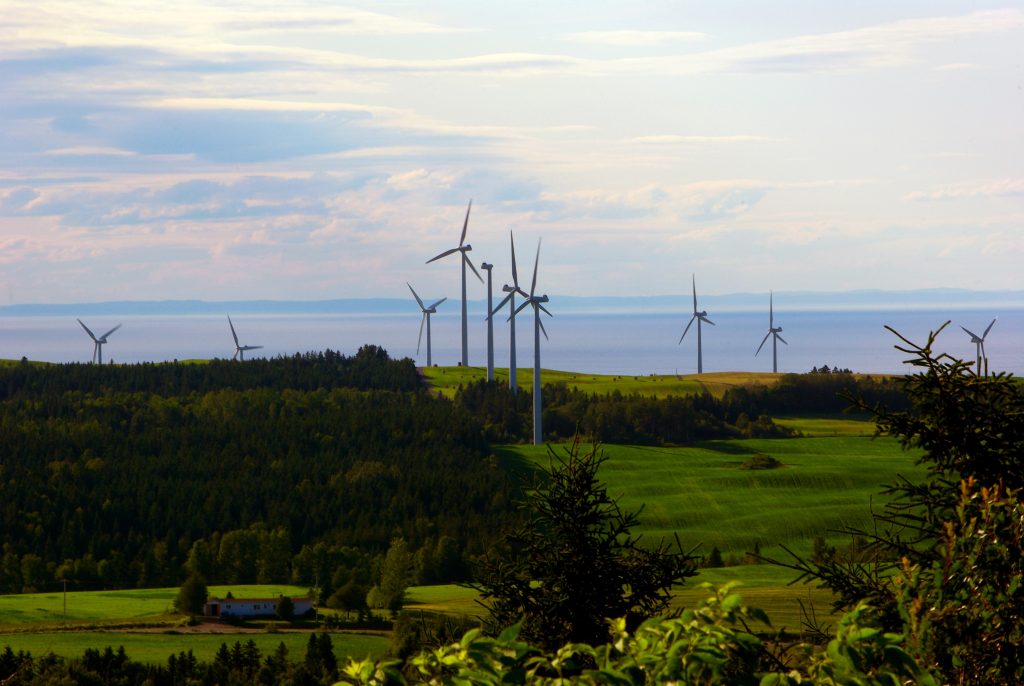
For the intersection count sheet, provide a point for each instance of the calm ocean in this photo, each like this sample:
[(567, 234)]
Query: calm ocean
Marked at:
[(632, 344)]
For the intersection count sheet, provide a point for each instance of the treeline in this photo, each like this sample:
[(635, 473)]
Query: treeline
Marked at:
[(113, 488), (369, 368), (816, 393), (240, 664), (743, 412)]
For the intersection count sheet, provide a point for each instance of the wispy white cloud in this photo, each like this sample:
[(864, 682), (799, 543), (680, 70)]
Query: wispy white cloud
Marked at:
[(670, 139), (635, 38), (995, 188)]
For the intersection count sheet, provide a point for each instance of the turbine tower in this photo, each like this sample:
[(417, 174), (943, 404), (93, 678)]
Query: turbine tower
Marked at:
[(240, 349), (537, 301), (427, 311), (700, 317), (490, 323), (97, 347), (463, 248), (774, 333), (511, 300), (979, 342)]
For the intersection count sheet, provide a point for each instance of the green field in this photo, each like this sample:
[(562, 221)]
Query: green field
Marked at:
[(701, 493), (447, 379), (131, 606), (158, 646), (763, 586)]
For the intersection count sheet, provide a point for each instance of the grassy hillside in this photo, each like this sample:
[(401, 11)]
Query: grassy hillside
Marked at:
[(701, 493), (447, 379)]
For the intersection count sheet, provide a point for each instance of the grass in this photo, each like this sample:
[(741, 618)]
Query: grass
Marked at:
[(818, 427), (763, 586), (156, 647), (141, 606), (701, 493), (447, 379)]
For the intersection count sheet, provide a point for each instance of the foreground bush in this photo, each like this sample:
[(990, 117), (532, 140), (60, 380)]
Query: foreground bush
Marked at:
[(707, 645)]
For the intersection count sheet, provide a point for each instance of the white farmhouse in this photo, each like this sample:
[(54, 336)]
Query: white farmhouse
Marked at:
[(252, 607)]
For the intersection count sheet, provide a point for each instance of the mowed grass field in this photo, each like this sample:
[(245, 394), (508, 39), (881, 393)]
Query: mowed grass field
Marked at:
[(701, 492), (145, 625), (135, 606), (447, 379), (765, 586), (156, 647)]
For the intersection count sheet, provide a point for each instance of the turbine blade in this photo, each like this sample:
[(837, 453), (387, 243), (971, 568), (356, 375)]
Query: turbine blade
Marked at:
[(519, 309), (235, 356), (418, 301), (536, 261), (771, 310), (763, 341), (515, 273), (233, 334), (694, 294), (686, 329), (446, 253), (705, 319), (970, 333), (545, 310), (781, 338), (86, 329), (988, 329), (470, 263), (543, 330), (251, 347), (500, 305), (437, 303), (423, 320), (104, 336), (465, 224)]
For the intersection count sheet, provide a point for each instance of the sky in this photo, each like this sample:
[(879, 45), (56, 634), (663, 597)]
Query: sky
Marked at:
[(315, 150)]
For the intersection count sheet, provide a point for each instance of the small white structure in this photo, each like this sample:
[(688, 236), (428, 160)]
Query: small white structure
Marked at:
[(253, 607)]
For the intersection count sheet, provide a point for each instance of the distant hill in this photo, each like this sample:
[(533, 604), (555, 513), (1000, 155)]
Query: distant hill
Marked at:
[(931, 298)]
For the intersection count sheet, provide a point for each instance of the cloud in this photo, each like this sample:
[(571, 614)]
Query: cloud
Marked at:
[(635, 38), (669, 139), (995, 188)]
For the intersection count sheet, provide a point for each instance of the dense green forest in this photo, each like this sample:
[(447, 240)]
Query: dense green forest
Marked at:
[(115, 487)]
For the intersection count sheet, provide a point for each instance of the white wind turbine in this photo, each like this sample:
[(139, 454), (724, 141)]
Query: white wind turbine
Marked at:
[(427, 311), (490, 322), (774, 333), (700, 317), (97, 347), (463, 248), (537, 301), (511, 300), (240, 349), (979, 342)]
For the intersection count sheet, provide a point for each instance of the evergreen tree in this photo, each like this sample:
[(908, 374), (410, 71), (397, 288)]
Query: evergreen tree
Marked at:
[(574, 564)]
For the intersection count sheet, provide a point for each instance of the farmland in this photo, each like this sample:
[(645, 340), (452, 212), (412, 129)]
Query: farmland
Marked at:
[(701, 493)]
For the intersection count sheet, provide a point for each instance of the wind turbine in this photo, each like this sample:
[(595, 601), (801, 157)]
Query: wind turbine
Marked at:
[(537, 301), (511, 300), (979, 342), (240, 349), (97, 348), (490, 323), (427, 311), (463, 248), (774, 333), (700, 317)]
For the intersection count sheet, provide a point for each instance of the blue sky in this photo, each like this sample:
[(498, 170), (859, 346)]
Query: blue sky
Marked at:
[(315, 150)]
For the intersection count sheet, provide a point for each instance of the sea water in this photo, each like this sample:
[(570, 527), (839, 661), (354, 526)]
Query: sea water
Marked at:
[(628, 344)]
